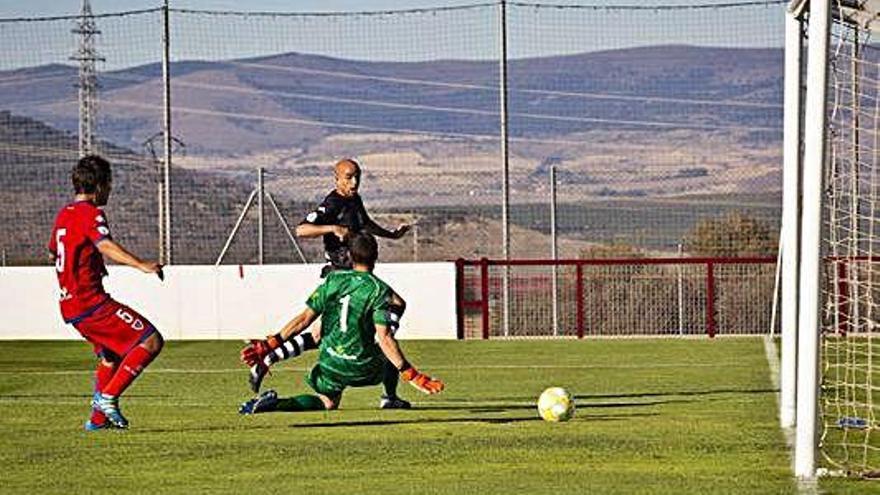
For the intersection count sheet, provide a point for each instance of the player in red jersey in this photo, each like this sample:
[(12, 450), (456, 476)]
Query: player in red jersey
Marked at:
[(124, 341)]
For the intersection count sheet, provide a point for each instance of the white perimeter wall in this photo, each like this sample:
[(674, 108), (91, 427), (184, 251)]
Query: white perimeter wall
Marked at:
[(226, 302)]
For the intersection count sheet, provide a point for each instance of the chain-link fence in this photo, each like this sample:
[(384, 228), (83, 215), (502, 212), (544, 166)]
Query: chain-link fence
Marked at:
[(657, 118), (40, 115), (616, 297)]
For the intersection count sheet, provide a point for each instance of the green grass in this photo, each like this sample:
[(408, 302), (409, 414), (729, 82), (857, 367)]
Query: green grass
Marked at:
[(654, 416)]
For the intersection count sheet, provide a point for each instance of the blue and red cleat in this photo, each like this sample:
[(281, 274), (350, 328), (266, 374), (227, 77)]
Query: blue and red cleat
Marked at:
[(89, 426), (110, 407)]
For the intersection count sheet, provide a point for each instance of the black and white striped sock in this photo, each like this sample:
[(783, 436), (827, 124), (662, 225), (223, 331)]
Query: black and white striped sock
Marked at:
[(291, 348)]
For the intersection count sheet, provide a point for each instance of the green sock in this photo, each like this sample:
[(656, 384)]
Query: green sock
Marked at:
[(390, 378), (301, 403)]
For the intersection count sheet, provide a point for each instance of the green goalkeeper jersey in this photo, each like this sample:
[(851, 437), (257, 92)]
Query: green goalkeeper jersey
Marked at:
[(351, 303)]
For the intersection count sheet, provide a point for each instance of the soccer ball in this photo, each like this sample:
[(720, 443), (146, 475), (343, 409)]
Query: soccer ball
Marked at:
[(556, 404)]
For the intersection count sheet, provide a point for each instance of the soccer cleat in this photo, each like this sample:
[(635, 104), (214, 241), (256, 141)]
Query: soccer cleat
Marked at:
[(89, 426), (393, 403), (256, 375), (110, 407), (265, 402)]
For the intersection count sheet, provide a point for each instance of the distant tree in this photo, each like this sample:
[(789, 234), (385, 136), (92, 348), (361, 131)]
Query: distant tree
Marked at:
[(614, 250), (733, 235)]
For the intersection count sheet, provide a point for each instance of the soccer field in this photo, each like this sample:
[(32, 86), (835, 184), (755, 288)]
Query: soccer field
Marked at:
[(654, 416)]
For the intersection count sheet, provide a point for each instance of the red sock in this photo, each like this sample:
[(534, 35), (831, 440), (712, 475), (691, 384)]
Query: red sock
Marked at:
[(134, 362), (103, 373)]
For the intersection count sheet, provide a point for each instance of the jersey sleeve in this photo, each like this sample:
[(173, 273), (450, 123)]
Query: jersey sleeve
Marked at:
[(380, 307), (318, 300), (96, 227), (325, 213)]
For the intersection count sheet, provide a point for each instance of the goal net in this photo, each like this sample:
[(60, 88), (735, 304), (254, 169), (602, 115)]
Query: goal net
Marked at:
[(850, 343)]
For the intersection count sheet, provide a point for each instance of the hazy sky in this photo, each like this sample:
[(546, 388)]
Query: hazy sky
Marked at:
[(16, 8), (468, 34)]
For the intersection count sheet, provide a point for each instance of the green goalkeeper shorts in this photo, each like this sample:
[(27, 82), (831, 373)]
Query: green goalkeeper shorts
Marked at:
[(331, 384)]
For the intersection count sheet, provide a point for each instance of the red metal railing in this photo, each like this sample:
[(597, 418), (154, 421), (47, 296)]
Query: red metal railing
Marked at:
[(851, 277), (532, 289)]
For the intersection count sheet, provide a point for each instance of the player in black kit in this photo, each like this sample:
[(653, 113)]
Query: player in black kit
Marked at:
[(340, 214)]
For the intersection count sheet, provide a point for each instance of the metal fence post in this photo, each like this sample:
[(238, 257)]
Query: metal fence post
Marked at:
[(554, 250), (505, 162), (579, 294), (166, 128), (459, 298), (484, 295), (261, 193), (710, 299), (680, 294)]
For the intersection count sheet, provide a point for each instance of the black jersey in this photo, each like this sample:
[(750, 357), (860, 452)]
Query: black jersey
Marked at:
[(339, 210)]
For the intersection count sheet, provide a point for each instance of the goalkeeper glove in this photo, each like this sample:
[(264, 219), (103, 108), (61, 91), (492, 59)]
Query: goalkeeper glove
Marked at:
[(419, 380), (254, 352)]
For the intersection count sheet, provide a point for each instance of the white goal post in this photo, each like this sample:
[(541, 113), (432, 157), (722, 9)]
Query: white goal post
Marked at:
[(830, 370)]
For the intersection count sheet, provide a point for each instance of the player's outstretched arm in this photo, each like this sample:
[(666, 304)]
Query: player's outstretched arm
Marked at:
[(408, 373), (377, 230), (119, 254), (256, 350), (308, 230), (299, 323)]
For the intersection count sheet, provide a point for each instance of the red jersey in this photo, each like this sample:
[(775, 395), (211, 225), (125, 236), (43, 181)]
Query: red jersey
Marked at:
[(79, 227)]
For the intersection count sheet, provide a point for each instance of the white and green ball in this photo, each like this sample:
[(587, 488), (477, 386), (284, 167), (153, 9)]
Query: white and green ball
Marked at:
[(556, 404)]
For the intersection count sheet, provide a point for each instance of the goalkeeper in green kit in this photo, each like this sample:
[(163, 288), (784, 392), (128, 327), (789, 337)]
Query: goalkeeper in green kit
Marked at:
[(356, 342)]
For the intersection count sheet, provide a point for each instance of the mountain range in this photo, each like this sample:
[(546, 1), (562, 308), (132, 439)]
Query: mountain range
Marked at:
[(293, 100), (636, 125)]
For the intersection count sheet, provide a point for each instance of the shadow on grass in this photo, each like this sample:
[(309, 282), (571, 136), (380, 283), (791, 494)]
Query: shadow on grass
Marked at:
[(692, 393), (491, 421), (529, 407), (415, 421), (584, 400), (397, 421), (636, 395)]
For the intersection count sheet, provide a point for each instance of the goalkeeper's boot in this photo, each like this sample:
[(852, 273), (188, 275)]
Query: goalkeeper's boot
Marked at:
[(256, 375), (395, 402), (110, 407), (265, 402)]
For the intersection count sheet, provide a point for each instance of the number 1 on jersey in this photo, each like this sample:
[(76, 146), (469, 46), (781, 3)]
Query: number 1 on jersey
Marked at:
[(343, 315)]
